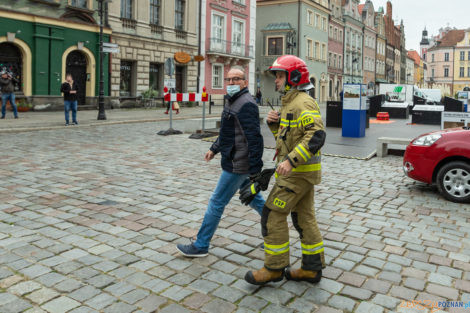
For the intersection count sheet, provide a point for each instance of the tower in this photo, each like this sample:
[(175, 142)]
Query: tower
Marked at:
[(424, 44)]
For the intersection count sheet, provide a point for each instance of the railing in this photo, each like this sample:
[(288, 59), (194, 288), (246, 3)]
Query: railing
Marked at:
[(180, 34), (128, 23), (156, 29), (230, 47)]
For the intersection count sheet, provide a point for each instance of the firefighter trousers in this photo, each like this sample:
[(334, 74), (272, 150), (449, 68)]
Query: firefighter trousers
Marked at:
[(292, 196)]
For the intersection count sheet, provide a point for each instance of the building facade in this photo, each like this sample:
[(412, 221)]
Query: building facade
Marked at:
[(42, 41), (148, 35), (370, 41), (228, 37), (381, 45), (417, 68), (462, 63), (353, 42), (441, 64), (335, 51), (301, 30), (409, 71)]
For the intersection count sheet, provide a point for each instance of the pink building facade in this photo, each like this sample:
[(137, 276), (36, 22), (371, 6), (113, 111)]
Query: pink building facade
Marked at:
[(228, 35)]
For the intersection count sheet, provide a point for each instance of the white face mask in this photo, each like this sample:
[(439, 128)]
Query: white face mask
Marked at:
[(232, 89)]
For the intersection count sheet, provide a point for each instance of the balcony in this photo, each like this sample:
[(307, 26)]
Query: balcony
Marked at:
[(156, 29), (181, 34), (128, 23), (229, 49)]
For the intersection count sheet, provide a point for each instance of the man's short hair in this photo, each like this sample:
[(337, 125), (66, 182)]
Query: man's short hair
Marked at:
[(239, 68)]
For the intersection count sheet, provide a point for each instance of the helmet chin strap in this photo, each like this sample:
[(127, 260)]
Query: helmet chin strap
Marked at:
[(286, 88)]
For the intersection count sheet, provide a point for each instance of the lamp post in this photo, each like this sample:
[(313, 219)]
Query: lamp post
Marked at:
[(101, 112)]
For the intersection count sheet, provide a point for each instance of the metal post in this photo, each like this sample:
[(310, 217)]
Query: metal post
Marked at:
[(210, 104), (101, 112), (171, 109)]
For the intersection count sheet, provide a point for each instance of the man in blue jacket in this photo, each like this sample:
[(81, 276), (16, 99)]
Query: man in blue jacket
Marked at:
[(241, 145)]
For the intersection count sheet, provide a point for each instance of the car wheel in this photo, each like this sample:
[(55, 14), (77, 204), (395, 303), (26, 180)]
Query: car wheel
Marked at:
[(453, 181)]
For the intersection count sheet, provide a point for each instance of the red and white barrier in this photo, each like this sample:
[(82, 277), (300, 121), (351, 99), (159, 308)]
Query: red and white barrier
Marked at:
[(188, 96)]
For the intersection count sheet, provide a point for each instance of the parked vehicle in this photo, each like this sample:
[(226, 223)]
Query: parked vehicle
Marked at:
[(442, 158)]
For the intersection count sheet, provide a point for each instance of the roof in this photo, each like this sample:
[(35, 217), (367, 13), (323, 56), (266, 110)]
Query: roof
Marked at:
[(278, 26), (360, 7), (412, 54), (450, 39)]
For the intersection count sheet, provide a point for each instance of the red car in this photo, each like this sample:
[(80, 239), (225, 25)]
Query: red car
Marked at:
[(442, 158)]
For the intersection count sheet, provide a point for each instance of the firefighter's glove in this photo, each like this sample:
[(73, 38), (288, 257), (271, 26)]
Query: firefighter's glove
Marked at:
[(263, 178), (259, 182), (249, 192)]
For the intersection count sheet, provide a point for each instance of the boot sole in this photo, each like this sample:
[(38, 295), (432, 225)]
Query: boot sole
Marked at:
[(250, 279), (310, 280)]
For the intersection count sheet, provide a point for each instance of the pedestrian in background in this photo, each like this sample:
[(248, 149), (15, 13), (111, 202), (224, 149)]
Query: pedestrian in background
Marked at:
[(259, 96), (241, 145), (8, 92), (69, 88)]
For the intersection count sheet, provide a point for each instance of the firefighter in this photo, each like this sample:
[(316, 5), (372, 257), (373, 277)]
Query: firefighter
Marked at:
[(299, 134)]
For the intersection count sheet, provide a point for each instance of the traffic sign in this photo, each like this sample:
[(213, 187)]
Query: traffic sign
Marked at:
[(110, 50), (110, 45), (169, 67), (170, 82)]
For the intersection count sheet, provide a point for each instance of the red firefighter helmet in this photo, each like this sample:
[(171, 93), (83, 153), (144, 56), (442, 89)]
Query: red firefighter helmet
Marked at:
[(296, 69)]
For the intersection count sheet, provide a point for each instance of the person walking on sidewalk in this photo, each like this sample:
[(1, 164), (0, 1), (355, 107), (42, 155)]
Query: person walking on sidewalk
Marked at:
[(241, 145), (70, 88), (8, 92), (299, 134)]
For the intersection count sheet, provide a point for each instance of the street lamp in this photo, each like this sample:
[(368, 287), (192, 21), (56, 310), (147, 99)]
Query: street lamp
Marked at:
[(101, 112)]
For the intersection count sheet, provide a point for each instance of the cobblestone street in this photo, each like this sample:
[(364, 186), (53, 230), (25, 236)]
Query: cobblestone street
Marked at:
[(90, 216)]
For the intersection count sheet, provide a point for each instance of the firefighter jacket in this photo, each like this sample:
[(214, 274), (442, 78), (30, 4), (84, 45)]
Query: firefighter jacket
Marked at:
[(300, 135)]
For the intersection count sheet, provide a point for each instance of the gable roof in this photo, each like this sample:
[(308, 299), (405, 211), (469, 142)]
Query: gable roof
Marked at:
[(415, 56), (360, 7), (450, 39)]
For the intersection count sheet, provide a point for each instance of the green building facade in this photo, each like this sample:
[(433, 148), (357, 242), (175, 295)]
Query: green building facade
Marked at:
[(42, 40)]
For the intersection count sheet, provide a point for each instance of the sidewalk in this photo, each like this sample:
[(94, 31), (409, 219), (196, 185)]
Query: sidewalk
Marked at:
[(31, 121)]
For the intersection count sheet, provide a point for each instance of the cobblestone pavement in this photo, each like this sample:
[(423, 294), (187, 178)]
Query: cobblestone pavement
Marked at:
[(90, 217)]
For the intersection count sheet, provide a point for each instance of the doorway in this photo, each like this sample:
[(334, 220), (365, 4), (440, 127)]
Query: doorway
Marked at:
[(76, 65)]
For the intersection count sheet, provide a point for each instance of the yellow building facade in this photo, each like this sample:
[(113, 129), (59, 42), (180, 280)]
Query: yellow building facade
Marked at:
[(462, 63)]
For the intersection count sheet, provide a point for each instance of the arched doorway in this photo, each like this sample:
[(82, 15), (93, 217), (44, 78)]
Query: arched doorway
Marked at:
[(76, 64), (312, 91), (11, 60)]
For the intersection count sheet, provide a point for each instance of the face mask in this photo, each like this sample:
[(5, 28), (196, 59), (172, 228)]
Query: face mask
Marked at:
[(232, 89)]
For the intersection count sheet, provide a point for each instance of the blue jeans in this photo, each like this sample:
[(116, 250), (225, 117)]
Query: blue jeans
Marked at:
[(70, 105), (226, 188), (5, 98)]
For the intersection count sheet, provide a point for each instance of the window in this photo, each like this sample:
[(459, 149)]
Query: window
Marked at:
[(469, 55), (126, 88), (217, 76), (340, 64), (79, 4), (317, 21), (237, 37), (126, 9), (331, 32), (323, 23), (218, 33), (462, 55), (155, 76), (462, 72), (309, 48), (179, 14), (340, 35), (323, 52), (432, 57), (334, 61), (275, 46), (155, 12), (309, 17), (424, 56), (336, 34), (317, 50), (446, 57), (468, 71), (330, 58), (446, 72)]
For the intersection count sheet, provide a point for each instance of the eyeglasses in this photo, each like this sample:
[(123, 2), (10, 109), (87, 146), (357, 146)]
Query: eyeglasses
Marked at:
[(234, 79)]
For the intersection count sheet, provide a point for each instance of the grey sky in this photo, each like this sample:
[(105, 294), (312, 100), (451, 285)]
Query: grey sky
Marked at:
[(433, 14)]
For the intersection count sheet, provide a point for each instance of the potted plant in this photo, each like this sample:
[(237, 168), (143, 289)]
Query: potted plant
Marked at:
[(23, 105)]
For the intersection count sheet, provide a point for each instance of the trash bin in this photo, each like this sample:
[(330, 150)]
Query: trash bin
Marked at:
[(334, 114), (453, 105), (375, 105)]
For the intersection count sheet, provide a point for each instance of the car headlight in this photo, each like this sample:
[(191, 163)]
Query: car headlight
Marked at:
[(427, 140)]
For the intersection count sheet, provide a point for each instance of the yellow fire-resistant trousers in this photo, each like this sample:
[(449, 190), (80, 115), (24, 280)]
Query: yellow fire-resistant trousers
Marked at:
[(294, 196)]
